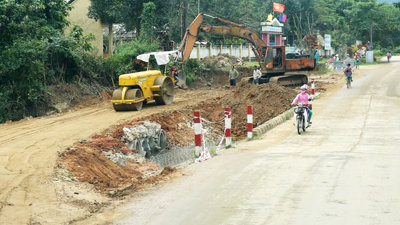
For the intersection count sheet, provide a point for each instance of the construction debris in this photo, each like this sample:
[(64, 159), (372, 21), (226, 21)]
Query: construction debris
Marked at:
[(145, 138)]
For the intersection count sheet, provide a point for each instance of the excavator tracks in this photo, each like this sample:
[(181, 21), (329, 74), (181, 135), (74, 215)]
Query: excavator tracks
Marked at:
[(290, 80)]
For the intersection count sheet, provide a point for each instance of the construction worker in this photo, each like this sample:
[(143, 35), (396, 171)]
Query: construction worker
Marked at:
[(233, 75), (256, 75), (174, 73)]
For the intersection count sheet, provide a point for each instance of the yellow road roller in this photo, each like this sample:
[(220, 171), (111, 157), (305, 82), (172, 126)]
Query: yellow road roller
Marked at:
[(144, 87), (140, 88)]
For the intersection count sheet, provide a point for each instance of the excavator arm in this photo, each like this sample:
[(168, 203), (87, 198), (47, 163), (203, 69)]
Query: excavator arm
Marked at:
[(238, 30), (190, 37), (258, 45)]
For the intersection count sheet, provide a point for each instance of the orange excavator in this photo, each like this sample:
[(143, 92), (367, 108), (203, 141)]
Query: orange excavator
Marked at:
[(274, 65)]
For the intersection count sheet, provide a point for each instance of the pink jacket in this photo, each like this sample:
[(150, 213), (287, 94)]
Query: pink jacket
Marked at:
[(302, 97)]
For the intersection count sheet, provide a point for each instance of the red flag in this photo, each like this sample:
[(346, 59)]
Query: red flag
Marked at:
[(279, 7)]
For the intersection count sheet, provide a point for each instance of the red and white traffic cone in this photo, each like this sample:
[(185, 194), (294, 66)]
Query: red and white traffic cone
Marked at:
[(313, 87), (249, 122), (197, 128), (228, 126)]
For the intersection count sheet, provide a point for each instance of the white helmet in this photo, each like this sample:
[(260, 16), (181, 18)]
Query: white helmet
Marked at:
[(304, 87)]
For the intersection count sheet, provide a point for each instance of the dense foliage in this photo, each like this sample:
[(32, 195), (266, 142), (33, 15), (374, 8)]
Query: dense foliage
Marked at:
[(34, 53), (345, 20)]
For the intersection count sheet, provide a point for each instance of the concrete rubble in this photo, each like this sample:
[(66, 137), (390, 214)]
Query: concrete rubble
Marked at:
[(146, 138)]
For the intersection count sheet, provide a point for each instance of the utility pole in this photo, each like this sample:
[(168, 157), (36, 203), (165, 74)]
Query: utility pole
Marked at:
[(198, 6), (184, 18), (370, 34)]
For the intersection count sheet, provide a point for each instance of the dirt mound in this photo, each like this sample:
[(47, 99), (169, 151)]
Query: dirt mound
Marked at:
[(106, 143), (74, 96), (88, 164), (178, 125), (268, 101)]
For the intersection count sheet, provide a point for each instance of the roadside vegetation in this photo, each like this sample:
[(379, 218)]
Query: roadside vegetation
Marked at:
[(36, 54)]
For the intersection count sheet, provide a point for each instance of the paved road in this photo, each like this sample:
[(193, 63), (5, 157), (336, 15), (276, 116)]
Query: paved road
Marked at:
[(344, 170)]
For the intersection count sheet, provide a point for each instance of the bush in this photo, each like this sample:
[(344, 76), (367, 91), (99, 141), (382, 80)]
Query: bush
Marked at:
[(193, 69), (377, 52), (396, 50), (29, 65), (123, 61)]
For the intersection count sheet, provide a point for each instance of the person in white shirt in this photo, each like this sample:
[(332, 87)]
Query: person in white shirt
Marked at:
[(256, 75)]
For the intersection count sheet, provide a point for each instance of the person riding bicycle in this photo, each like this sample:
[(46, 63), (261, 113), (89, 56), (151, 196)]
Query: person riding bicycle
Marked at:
[(349, 72), (303, 97)]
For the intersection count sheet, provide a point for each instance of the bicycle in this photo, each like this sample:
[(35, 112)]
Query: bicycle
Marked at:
[(348, 81), (300, 117)]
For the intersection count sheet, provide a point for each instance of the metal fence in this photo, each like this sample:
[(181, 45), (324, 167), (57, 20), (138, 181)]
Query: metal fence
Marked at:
[(339, 66)]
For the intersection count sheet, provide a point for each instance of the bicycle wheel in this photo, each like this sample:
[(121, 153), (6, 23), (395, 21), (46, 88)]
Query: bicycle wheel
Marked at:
[(348, 82), (299, 122)]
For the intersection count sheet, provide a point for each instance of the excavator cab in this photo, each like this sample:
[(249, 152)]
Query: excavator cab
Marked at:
[(275, 59)]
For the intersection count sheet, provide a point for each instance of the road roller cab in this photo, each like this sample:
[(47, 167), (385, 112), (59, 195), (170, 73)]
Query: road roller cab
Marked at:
[(144, 87)]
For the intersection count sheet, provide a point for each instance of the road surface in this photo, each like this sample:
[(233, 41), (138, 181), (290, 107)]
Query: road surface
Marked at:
[(343, 170)]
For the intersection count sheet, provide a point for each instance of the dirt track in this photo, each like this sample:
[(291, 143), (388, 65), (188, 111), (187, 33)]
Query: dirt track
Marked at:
[(29, 150)]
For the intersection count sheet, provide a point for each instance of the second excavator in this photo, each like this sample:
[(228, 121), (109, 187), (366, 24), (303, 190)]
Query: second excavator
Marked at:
[(274, 65)]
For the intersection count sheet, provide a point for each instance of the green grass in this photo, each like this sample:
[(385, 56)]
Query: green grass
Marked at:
[(250, 64), (213, 151), (323, 60), (368, 64)]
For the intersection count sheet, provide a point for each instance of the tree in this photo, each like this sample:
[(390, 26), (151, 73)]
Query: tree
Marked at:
[(34, 53), (148, 21), (31, 19), (108, 12)]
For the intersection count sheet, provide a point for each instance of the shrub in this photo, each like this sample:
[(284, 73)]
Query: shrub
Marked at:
[(123, 61), (29, 65), (193, 69), (396, 50), (378, 52)]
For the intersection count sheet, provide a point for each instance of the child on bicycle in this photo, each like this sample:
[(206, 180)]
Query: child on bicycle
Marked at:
[(303, 97), (348, 72)]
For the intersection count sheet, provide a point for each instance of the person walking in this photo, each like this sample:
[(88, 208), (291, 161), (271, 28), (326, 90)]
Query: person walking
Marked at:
[(348, 72), (316, 55), (357, 60), (335, 61), (389, 55), (233, 75), (256, 75)]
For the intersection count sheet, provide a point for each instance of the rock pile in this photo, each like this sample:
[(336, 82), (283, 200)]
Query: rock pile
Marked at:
[(146, 138)]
